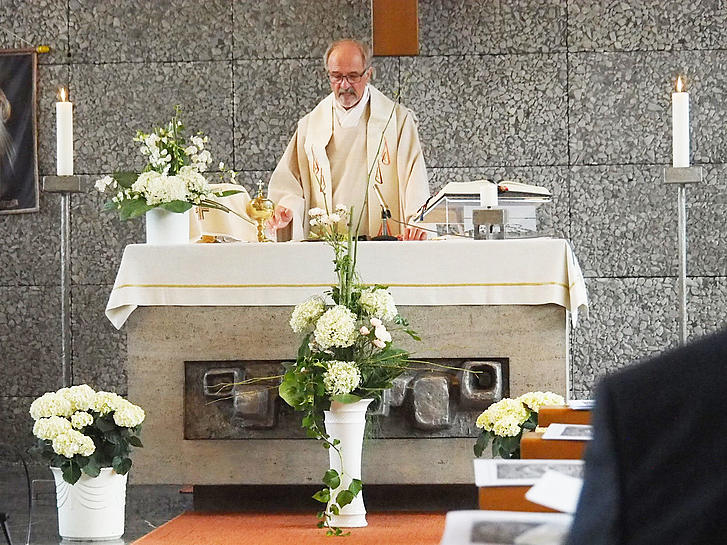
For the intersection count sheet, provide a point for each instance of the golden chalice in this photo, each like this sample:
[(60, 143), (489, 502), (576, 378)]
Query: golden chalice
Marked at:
[(260, 209)]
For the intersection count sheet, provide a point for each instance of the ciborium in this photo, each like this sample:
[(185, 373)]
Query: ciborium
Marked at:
[(260, 209)]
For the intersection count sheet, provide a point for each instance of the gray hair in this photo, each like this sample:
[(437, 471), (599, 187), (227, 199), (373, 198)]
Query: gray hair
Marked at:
[(363, 48)]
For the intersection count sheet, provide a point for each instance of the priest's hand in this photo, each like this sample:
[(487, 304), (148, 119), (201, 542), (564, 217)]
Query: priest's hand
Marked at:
[(281, 218), (412, 233)]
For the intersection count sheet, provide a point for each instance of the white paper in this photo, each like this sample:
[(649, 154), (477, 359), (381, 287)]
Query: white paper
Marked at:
[(581, 404), (459, 525), (569, 432), (498, 472), (556, 491)]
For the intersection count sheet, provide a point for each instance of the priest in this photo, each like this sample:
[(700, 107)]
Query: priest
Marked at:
[(356, 148)]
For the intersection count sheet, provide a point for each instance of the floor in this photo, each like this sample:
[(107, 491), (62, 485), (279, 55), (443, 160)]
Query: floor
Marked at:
[(147, 506)]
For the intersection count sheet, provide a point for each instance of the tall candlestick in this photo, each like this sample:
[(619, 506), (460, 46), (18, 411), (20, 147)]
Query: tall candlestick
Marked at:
[(64, 134), (680, 126)]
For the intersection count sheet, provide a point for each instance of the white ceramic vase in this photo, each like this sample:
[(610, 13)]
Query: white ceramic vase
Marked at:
[(346, 422), (164, 227), (93, 508)]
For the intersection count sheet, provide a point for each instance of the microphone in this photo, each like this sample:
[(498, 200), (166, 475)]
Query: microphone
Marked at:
[(385, 215)]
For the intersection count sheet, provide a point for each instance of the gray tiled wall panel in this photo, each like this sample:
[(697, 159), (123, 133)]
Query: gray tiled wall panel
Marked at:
[(98, 239), (30, 245), (16, 423), (494, 26), (99, 350), (33, 23), (629, 319), (128, 30), (707, 223), (706, 304), (553, 217), (638, 25), (623, 221), (296, 29), (116, 100), (270, 97), (620, 106), (489, 110), (30, 337)]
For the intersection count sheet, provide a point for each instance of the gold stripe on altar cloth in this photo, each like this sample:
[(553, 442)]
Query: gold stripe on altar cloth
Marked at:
[(390, 285)]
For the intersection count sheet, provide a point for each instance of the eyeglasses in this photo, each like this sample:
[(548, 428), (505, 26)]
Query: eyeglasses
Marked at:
[(350, 78)]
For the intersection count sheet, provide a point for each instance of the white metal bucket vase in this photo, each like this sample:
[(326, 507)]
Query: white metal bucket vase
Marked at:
[(93, 508), (346, 422), (165, 227)]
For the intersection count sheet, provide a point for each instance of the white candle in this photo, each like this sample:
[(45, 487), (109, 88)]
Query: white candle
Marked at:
[(680, 126), (64, 134)]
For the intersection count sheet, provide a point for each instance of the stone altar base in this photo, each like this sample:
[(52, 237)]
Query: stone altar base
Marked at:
[(534, 340)]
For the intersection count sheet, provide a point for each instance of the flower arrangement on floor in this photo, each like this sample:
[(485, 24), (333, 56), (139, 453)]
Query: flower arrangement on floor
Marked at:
[(347, 352), (172, 178), (81, 430), (503, 422)]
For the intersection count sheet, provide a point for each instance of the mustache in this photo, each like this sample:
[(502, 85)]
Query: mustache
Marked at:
[(349, 91)]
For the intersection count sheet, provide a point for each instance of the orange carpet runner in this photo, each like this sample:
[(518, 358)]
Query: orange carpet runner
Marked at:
[(197, 528)]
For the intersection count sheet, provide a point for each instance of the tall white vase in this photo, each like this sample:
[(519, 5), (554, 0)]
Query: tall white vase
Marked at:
[(346, 422), (164, 227), (93, 508)]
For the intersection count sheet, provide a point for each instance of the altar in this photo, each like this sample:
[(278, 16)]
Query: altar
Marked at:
[(203, 312)]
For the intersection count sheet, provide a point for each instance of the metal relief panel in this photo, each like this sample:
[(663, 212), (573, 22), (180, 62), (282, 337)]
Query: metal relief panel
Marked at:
[(112, 102), (491, 109), (629, 319), (224, 401), (495, 26), (173, 30)]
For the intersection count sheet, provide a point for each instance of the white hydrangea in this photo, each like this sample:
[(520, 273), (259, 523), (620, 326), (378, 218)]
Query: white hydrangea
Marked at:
[(158, 188), (304, 315), (103, 183), (81, 419), (49, 428), (128, 415), (336, 328), (504, 418), (81, 397), (379, 303), (73, 442), (196, 184), (50, 404), (341, 377), (535, 400), (106, 402)]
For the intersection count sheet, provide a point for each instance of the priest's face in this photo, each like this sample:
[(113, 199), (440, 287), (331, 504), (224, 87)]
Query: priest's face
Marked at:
[(348, 74)]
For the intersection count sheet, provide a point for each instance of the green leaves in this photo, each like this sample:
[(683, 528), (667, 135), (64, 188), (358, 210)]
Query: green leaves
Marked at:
[(290, 390), (71, 472), (176, 206), (332, 479), (344, 497), (323, 495), (346, 398), (482, 441), (125, 179), (121, 465), (133, 208)]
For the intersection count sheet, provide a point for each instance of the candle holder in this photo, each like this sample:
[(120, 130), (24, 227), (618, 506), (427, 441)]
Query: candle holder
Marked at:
[(681, 176), (261, 210)]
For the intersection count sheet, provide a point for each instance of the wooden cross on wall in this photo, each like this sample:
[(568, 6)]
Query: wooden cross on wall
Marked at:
[(395, 27)]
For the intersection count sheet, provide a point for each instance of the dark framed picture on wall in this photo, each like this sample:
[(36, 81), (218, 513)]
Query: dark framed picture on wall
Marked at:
[(18, 142)]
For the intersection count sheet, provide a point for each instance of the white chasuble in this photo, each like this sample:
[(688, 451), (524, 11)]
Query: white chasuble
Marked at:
[(303, 178)]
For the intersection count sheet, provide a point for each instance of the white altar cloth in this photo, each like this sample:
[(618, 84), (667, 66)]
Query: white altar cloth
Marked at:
[(437, 272)]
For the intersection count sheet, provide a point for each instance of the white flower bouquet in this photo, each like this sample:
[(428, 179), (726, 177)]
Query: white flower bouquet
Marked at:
[(81, 430), (503, 422), (347, 352), (172, 178)]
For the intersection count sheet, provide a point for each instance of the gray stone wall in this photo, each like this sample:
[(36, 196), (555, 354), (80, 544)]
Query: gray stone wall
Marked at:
[(570, 94)]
